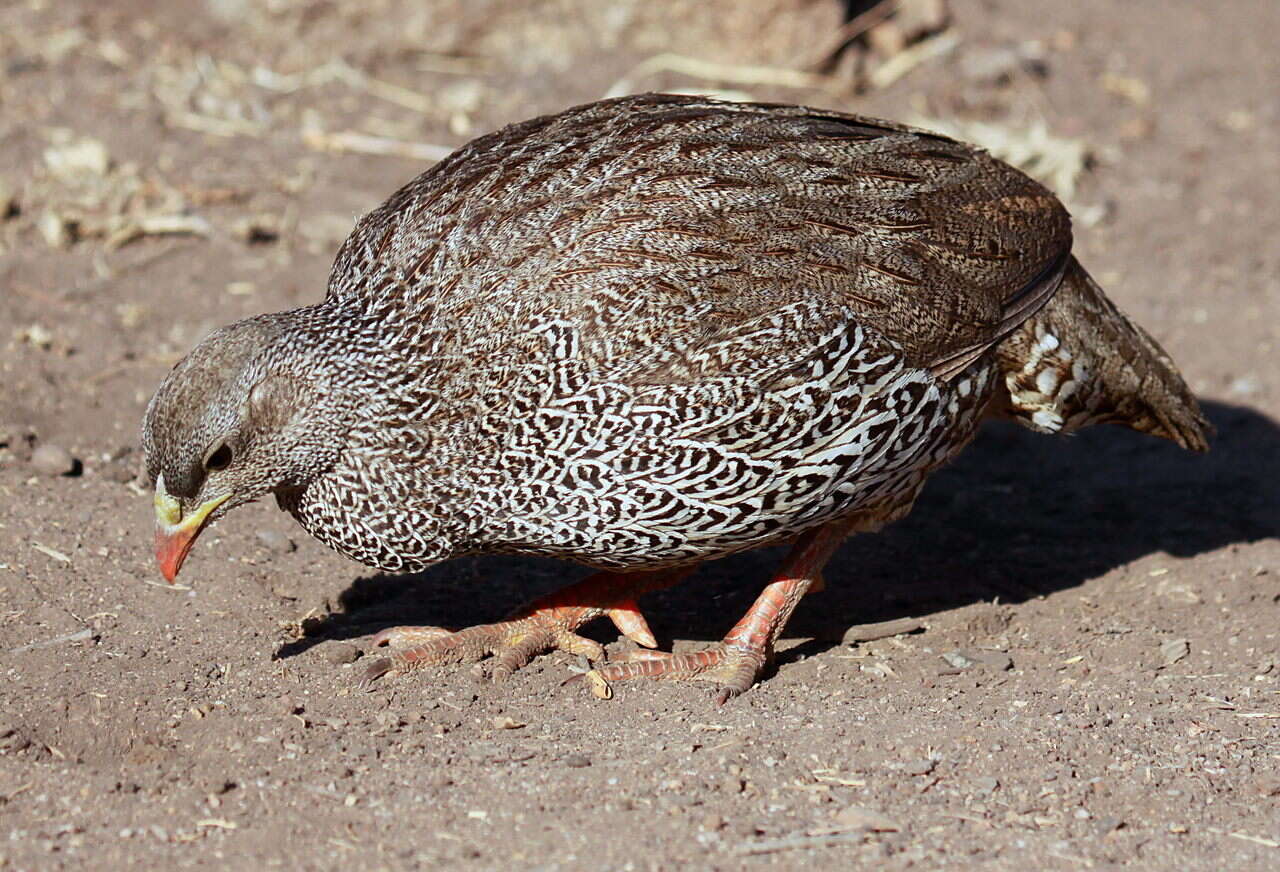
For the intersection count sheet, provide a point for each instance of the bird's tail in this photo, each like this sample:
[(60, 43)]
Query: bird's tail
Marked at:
[(1081, 361)]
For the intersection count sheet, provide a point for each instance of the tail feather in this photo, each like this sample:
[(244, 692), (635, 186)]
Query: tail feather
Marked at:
[(1081, 361)]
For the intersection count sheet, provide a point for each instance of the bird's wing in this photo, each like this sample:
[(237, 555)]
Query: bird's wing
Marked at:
[(659, 227)]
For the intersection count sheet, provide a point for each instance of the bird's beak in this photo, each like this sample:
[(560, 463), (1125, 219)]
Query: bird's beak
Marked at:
[(175, 534)]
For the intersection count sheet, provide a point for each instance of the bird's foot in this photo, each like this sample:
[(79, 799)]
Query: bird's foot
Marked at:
[(734, 667), (511, 643), (548, 624), (737, 660)]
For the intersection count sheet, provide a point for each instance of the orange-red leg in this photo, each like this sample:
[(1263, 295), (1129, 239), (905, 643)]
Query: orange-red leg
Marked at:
[(737, 661), (546, 624)]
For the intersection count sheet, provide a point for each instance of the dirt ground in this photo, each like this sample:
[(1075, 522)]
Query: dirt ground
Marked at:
[(1097, 680)]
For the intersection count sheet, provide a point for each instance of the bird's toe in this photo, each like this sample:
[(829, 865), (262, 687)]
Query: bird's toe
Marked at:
[(403, 637), (733, 670), (373, 672)]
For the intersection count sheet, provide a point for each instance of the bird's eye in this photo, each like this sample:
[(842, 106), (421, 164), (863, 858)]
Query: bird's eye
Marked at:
[(219, 459)]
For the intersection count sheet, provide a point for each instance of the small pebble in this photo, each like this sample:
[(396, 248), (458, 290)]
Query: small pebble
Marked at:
[(53, 460), (58, 232), (122, 466), (577, 761), (17, 438), (1174, 650), (390, 721), (857, 818), (120, 472), (1106, 825), (277, 542), (8, 200), (1244, 386), (957, 660), (341, 653), (919, 767), (288, 589), (74, 160), (219, 785), (257, 229), (994, 660)]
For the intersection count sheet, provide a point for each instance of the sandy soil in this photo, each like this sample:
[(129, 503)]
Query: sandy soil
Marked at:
[(1097, 683)]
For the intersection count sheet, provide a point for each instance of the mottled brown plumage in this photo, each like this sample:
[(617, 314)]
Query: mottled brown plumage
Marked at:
[(645, 333)]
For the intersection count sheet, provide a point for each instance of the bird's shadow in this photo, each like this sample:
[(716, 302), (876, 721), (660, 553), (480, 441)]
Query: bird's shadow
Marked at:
[(1018, 515)]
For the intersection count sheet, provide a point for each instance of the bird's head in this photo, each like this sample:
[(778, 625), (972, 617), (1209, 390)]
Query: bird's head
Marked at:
[(230, 424)]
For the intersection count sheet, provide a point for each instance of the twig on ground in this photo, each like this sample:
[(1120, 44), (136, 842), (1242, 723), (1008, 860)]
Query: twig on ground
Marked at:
[(909, 58), (158, 225), (881, 630), (848, 32), (770, 846), (77, 636)]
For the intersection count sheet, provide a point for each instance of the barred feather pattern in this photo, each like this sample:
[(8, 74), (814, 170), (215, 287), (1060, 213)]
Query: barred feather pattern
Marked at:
[(608, 474), (658, 330), (639, 333)]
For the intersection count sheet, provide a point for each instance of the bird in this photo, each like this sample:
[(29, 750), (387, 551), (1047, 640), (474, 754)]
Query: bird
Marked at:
[(646, 333)]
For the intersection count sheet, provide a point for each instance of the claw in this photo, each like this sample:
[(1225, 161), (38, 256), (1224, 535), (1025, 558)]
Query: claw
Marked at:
[(630, 623), (594, 681), (599, 687), (373, 672)]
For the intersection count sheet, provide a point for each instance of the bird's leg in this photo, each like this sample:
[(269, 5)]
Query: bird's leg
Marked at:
[(737, 661), (546, 624)]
